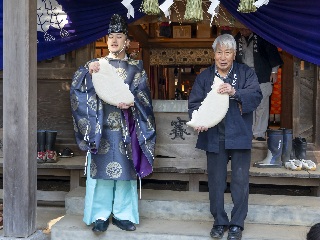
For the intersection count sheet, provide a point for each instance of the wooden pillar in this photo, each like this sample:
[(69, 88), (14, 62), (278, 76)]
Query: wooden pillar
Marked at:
[(19, 117), (84, 54), (316, 114), (296, 102), (287, 85), (146, 60), (172, 87)]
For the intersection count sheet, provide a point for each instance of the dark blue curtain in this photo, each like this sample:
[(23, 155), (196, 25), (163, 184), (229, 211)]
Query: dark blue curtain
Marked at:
[(291, 25), (87, 22), (80, 23)]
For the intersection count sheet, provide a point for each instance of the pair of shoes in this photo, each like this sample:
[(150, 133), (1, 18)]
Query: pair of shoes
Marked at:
[(235, 233), (66, 153), (46, 140), (297, 165), (308, 165), (123, 224), (294, 165), (47, 156), (100, 225), (217, 231), (260, 139)]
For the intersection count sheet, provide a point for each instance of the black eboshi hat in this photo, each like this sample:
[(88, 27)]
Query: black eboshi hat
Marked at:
[(118, 25)]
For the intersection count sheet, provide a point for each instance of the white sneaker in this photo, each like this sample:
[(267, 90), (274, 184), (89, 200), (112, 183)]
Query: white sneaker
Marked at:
[(308, 165), (294, 165)]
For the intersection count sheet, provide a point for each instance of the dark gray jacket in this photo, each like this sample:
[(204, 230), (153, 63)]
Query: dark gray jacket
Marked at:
[(238, 120), (265, 56)]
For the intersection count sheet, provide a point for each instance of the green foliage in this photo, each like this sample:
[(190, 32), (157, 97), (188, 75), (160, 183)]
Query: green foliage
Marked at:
[(150, 7), (194, 10), (246, 6)]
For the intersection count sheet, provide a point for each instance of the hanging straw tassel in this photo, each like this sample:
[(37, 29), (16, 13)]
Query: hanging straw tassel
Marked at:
[(247, 6), (194, 10), (150, 7)]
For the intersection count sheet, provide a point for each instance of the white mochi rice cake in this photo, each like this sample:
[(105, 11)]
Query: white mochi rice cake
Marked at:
[(213, 108), (109, 86)]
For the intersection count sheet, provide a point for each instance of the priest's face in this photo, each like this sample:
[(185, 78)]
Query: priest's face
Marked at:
[(117, 43), (224, 57)]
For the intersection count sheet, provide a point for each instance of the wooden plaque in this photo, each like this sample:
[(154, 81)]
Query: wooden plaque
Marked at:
[(182, 31)]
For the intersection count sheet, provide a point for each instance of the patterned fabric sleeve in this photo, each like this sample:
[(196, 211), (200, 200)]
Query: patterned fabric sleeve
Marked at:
[(143, 113), (86, 111)]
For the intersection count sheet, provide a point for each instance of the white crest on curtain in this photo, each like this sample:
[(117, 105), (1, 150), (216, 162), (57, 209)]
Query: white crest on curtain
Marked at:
[(127, 4), (259, 3), (213, 9), (165, 8), (50, 13)]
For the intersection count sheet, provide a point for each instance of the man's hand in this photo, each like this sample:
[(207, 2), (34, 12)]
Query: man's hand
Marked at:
[(124, 105), (273, 77), (226, 88), (201, 129)]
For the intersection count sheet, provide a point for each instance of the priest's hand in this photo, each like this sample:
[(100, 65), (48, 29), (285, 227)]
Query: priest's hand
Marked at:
[(201, 129), (124, 105), (94, 67)]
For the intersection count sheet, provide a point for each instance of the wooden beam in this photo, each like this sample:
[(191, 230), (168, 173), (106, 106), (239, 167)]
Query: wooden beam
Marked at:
[(139, 35), (181, 43), (20, 117)]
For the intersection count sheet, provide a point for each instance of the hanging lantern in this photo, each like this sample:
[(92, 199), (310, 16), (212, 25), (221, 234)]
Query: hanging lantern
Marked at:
[(150, 7), (194, 10), (247, 6)]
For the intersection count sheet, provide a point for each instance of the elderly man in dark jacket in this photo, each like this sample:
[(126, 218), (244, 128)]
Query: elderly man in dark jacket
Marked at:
[(231, 138)]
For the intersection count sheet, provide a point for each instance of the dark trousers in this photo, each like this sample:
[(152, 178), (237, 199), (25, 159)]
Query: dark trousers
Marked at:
[(239, 186)]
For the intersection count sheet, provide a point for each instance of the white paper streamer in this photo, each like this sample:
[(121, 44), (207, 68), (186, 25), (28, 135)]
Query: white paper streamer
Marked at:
[(213, 9), (127, 4), (165, 6), (259, 3)]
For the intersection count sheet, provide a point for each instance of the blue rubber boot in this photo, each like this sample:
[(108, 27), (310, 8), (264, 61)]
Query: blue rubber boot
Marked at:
[(275, 144), (287, 145)]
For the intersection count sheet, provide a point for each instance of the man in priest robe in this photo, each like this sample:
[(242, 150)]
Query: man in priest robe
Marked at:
[(119, 140)]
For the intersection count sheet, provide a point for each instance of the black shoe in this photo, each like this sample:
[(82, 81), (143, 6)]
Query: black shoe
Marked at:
[(66, 153), (123, 224), (260, 139), (217, 231), (100, 225), (235, 233)]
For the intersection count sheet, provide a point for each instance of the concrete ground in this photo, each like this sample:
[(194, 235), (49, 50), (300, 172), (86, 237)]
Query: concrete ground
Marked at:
[(149, 229), (46, 217)]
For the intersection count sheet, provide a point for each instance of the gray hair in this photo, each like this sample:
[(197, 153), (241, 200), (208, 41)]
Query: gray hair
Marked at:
[(226, 40)]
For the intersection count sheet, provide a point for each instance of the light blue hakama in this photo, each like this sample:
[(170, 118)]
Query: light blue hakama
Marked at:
[(106, 197)]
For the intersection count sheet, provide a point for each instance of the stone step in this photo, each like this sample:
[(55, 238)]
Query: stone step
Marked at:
[(71, 227), (194, 206)]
